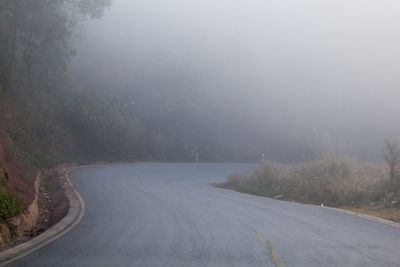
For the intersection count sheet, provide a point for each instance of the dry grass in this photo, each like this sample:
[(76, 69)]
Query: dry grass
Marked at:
[(333, 182), (382, 211)]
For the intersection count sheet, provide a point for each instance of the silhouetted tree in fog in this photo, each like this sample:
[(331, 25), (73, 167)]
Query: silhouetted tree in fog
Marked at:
[(391, 155)]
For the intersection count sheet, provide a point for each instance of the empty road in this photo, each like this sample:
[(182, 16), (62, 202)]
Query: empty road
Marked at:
[(161, 214)]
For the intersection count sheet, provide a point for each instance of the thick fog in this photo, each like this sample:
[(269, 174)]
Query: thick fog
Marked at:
[(286, 73)]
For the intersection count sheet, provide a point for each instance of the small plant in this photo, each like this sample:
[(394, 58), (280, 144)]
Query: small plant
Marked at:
[(9, 205), (391, 155), (30, 158), (17, 133)]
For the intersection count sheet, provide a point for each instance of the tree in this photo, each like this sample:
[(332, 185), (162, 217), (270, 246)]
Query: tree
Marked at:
[(94, 8), (35, 39), (391, 154)]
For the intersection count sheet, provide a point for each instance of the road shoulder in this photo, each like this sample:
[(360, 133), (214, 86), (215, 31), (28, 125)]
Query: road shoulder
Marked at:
[(75, 214)]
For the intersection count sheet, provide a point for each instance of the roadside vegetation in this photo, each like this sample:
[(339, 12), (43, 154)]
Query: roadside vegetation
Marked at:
[(9, 204), (46, 119), (344, 182), (35, 91)]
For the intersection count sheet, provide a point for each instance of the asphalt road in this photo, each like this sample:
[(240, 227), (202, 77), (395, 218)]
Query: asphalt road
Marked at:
[(158, 214)]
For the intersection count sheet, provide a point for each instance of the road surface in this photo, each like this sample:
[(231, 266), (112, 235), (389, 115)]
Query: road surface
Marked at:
[(159, 214)]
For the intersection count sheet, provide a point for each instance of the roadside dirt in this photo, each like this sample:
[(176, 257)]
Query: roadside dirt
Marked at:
[(53, 203), (381, 211), (52, 206), (20, 177)]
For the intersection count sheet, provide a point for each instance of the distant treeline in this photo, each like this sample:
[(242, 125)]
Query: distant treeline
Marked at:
[(58, 121), (48, 119)]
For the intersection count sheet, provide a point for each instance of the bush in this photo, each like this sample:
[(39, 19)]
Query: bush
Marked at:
[(30, 158), (343, 181), (9, 205)]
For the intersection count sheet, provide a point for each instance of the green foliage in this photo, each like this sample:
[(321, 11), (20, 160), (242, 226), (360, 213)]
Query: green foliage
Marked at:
[(16, 133), (31, 158), (9, 205), (35, 50), (54, 160), (107, 127), (35, 44), (39, 160)]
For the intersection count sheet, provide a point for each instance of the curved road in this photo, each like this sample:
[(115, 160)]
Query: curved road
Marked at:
[(156, 214)]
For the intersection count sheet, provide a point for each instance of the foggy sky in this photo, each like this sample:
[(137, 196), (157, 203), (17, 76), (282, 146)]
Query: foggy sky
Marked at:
[(287, 70)]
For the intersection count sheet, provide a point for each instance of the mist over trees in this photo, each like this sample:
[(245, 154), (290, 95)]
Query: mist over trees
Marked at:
[(231, 81), (35, 39), (85, 81), (36, 49), (391, 155), (269, 77)]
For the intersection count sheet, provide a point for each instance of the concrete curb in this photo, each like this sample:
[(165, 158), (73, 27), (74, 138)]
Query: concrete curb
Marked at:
[(74, 216), (362, 215), (365, 216)]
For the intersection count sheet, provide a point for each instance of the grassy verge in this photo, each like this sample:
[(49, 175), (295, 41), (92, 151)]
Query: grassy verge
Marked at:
[(382, 211), (346, 183), (9, 204)]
